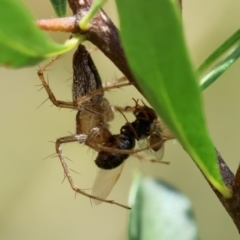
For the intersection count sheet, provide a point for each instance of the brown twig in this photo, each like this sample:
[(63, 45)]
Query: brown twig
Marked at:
[(104, 34), (67, 24), (232, 205)]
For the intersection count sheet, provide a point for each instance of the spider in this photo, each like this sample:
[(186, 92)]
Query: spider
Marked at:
[(93, 109), (92, 128)]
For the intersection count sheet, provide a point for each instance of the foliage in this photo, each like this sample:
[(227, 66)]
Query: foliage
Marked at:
[(22, 43), (159, 211)]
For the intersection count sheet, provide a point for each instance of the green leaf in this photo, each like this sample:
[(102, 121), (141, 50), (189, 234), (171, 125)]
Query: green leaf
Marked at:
[(223, 48), (95, 7), (219, 69), (232, 44), (22, 43), (60, 7), (159, 211), (152, 38)]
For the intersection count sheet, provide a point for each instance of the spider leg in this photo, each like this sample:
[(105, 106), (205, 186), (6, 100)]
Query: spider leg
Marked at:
[(113, 85), (57, 103), (77, 138)]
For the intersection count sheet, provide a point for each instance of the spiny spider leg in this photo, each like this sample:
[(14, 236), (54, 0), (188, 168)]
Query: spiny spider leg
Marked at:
[(77, 138), (57, 103), (98, 147), (80, 101)]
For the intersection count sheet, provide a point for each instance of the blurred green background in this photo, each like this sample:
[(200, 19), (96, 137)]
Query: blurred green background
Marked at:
[(35, 204)]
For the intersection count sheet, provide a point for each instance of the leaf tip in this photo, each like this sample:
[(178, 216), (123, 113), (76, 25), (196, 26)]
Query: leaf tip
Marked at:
[(224, 190)]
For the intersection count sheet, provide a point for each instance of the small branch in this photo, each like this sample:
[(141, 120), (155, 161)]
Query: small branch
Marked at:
[(104, 34), (232, 205), (67, 24)]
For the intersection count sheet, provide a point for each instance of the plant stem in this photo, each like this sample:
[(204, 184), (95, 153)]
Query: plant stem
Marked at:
[(232, 205), (67, 24)]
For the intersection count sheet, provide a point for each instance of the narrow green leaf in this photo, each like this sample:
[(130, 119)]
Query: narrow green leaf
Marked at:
[(231, 56), (159, 211), (60, 7), (229, 43), (22, 43), (219, 69), (152, 38)]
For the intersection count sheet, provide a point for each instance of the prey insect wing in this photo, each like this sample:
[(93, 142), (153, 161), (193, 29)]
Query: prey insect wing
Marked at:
[(158, 153), (151, 131), (105, 182), (143, 143)]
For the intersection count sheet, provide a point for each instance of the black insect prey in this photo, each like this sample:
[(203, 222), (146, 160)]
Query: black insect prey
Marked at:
[(146, 125)]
